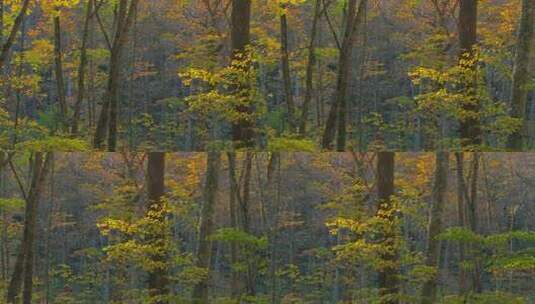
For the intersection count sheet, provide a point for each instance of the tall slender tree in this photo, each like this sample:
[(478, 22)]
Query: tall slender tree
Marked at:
[(58, 69), (23, 271), (207, 226), (309, 83), (336, 121), (433, 251), (108, 119), (519, 91), (82, 68), (285, 66), (6, 47)]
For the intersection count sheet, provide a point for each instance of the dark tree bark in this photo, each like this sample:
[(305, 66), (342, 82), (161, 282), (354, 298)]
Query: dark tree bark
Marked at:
[(470, 281), (23, 272), (245, 202), (285, 66), (6, 47), (58, 69), (107, 122), (310, 70), (519, 93), (389, 275), (204, 250), (433, 251), (158, 278), (470, 128), (82, 69), (242, 130), (471, 215), (336, 121)]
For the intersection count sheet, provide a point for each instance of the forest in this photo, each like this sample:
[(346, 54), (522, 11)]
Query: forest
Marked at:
[(267, 151), (270, 227), (267, 75)]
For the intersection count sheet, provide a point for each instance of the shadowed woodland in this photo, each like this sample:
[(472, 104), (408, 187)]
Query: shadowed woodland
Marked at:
[(277, 75), (267, 228)]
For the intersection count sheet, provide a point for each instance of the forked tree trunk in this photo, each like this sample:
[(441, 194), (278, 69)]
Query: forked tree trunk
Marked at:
[(82, 69), (310, 70), (338, 112), (107, 122), (23, 272)]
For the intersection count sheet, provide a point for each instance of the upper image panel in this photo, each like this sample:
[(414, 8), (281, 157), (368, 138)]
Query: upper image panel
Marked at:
[(267, 75)]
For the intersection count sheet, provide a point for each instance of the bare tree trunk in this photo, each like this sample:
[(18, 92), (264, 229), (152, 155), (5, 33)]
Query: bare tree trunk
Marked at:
[(285, 65), (107, 121), (82, 69), (158, 278), (60, 82), (244, 215), (519, 94), (6, 47), (234, 250), (274, 196), (338, 111), (473, 221), (461, 218), (310, 70), (433, 252), (204, 250), (24, 263), (470, 128), (388, 276)]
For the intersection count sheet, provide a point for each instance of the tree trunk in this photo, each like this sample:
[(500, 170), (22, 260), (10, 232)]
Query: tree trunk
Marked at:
[(519, 94), (6, 47), (473, 221), (234, 250), (107, 121), (470, 128), (58, 68), (204, 250), (459, 157), (433, 252), (285, 62), (388, 275), (3, 215), (337, 114), (82, 69), (242, 129), (24, 263), (158, 278), (310, 70), (244, 215)]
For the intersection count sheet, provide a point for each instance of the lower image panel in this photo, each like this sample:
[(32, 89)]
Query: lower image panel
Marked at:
[(267, 227)]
